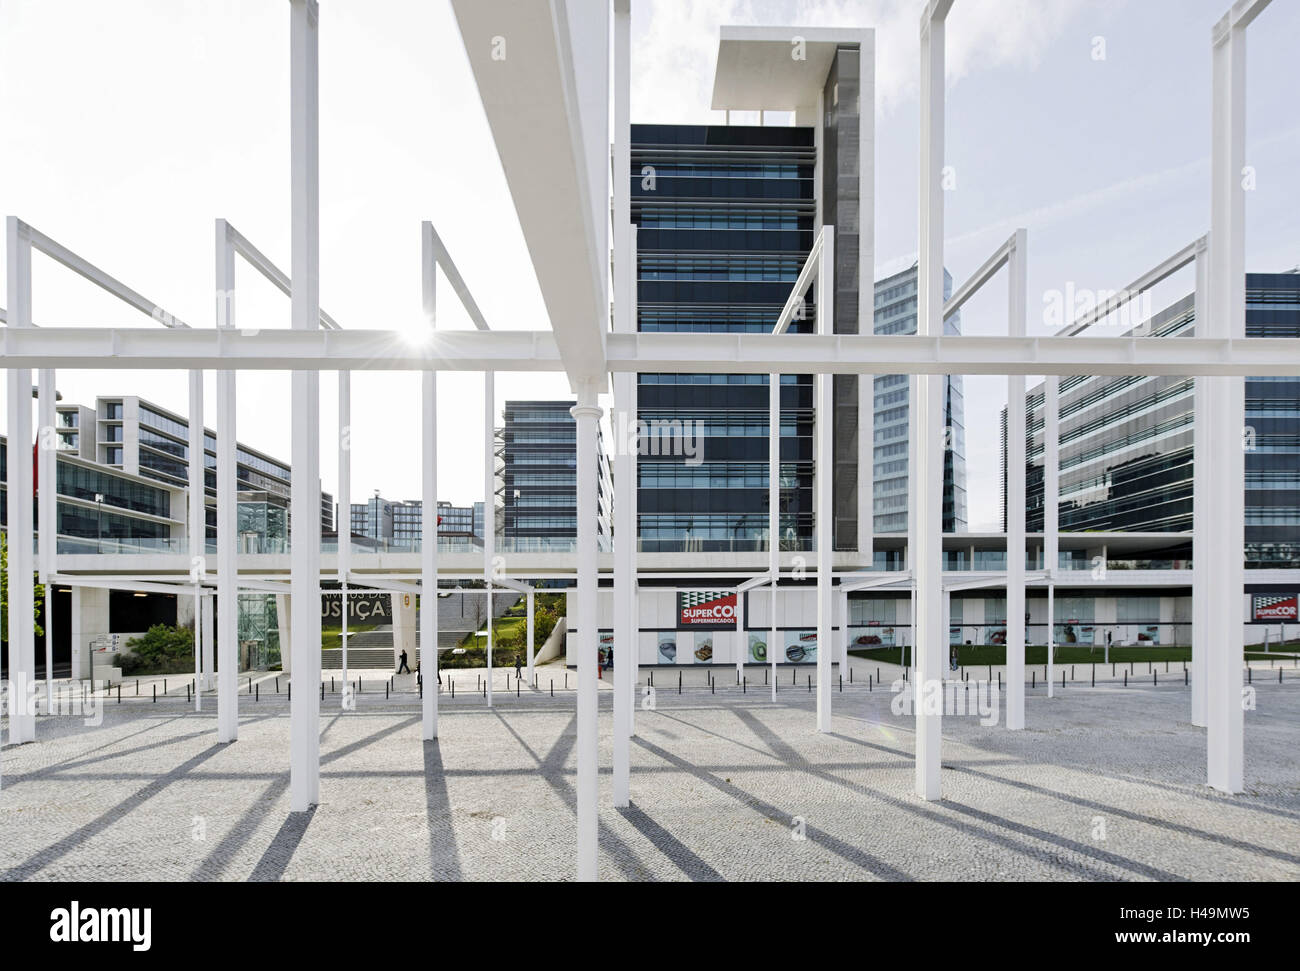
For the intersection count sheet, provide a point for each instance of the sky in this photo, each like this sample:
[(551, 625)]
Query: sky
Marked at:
[(130, 127)]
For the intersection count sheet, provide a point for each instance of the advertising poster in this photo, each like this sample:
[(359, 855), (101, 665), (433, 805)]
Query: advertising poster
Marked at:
[(606, 648), (1073, 632), (800, 646), (758, 648), (1275, 607), (706, 610), (873, 635), (703, 652), (667, 653), (995, 635), (1149, 634)]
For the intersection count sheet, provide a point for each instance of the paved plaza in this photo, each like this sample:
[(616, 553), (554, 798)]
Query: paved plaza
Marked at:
[(1106, 783)]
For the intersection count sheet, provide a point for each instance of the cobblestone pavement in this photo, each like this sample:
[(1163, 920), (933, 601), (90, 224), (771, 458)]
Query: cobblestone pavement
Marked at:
[(1105, 784)]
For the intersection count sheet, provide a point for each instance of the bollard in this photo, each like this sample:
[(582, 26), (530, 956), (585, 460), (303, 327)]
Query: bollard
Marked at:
[(552, 687), (485, 689), (1155, 677), (250, 687), (1184, 677), (764, 675), (841, 683), (257, 691), (137, 687), (419, 685), (277, 684), (290, 691), (1063, 678), (1094, 675), (810, 684), (794, 673), (744, 685), (187, 693), (711, 687), (566, 679), (850, 675), (1248, 675), (516, 687), (1279, 681), (1166, 667), (870, 683), (679, 682), (119, 690), (1126, 679), (92, 686), (385, 692), (1071, 672), (155, 694), (1033, 679), (999, 680)]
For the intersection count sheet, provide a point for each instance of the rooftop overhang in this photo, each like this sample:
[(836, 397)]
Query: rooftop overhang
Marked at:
[(777, 68), (542, 70)]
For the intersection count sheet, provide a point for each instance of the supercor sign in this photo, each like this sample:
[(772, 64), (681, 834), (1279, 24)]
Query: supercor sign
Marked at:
[(706, 608), (1275, 607)]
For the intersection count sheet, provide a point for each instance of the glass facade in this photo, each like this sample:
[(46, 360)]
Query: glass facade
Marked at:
[(895, 313), (725, 218), (537, 476), (1127, 442)]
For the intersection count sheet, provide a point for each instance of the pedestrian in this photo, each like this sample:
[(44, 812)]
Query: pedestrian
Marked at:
[(402, 667), (519, 663), (952, 657)]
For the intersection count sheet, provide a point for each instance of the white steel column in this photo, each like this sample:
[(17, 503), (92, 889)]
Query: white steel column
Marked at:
[(587, 415), (305, 625), (343, 526), (1051, 506), (197, 524), (429, 553), (1202, 510), (206, 639), (773, 507), (429, 499), (925, 542), (227, 631), (625, 532), (47, 525), (22, 593), (823, 480), (530, 597), (489, 514), (1016, 311), (1226, 404)]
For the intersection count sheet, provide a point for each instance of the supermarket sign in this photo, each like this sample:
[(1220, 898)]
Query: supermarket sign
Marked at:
[(702, 609), (1273, 606)]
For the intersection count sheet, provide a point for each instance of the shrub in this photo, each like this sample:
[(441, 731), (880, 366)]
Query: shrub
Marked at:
[(162, 650)]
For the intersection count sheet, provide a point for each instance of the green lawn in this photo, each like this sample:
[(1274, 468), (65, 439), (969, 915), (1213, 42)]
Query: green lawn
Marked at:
[(509, 637), (332, 637)]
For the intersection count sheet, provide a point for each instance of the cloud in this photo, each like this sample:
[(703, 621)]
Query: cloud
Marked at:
[(674, 44)]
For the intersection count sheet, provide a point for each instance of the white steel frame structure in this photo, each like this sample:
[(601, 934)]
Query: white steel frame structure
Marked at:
[(557, 194)]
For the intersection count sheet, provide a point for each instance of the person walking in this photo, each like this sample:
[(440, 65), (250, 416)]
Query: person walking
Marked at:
[(402, 667), (519, 663)]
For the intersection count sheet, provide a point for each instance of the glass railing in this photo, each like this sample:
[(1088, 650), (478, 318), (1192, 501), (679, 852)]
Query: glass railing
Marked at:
[(77, 544)]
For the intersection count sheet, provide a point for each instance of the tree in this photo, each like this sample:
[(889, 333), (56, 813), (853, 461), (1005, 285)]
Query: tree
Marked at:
[(38, 600)]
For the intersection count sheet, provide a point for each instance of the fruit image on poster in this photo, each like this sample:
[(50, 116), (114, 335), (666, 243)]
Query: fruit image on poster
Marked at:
[(800, 646), (758, 648), (667, 648)]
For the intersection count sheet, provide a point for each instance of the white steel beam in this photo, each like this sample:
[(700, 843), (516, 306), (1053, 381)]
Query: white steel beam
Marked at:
[(98, 348), (979, 278), (21, 565), (304, 512), (343, 518), (795, 303), (1139, 286), (926, 471), (587, 414), (259, 261), (1017, 298)]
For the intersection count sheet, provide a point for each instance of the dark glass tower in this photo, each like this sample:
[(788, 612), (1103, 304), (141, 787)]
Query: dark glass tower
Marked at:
[(725, 218), (1127, 442)]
